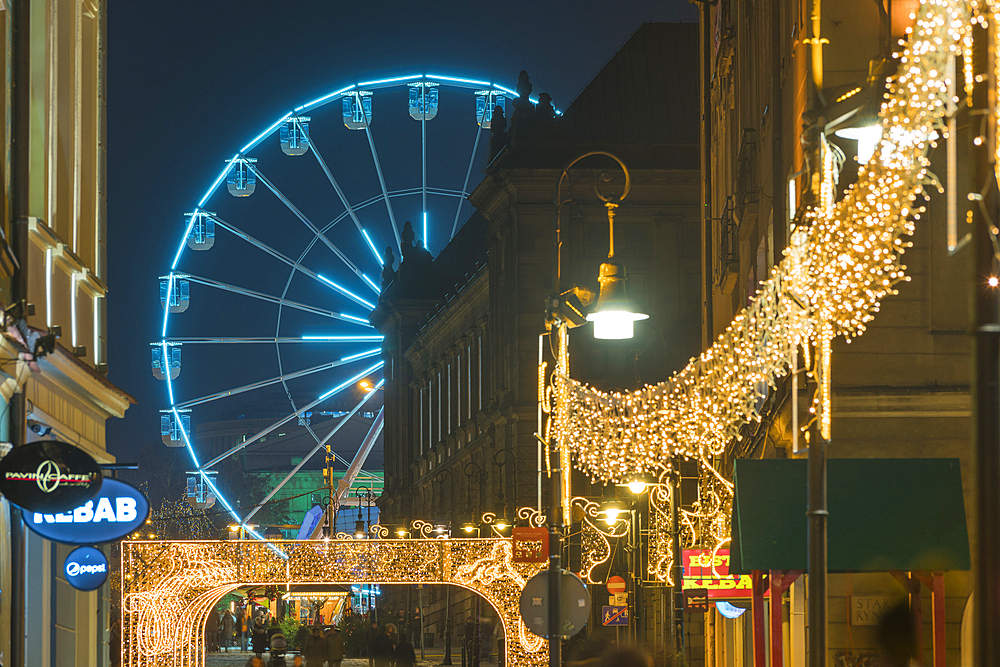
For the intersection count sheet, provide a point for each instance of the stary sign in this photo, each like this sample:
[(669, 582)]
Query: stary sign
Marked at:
[(117, 510), (49, 476), (868, 609)]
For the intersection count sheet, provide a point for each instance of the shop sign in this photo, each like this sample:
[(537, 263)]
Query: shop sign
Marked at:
[(695, 599), (49, 476), (868, 609), (86, 568), (703, 570), (117, 510), (531, 545)]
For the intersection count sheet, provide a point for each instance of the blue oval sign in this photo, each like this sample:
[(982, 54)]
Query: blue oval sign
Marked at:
[(115, 512), (86, 568)]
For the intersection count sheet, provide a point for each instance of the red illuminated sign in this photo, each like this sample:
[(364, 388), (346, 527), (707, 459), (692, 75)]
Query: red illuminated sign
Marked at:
[(699, 574), (531, 545)]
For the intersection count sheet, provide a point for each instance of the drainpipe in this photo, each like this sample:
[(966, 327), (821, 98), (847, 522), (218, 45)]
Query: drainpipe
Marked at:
[(19, 161), (706, 171)]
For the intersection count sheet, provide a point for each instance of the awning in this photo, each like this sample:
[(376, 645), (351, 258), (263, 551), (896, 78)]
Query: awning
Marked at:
[(885, 514)]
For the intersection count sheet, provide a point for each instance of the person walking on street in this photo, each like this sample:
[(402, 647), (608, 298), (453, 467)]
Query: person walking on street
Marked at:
[(334, 647), (228, 625), (212, 630), (403, 655), (382, 649), (314, 648), (372, 634), (259, 640)]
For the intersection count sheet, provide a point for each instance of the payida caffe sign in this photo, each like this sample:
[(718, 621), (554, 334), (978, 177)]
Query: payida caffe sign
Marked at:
[(49, 476), (704, 571)]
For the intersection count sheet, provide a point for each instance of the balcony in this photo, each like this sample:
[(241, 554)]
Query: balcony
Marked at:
[(728, 258), (747, 181)]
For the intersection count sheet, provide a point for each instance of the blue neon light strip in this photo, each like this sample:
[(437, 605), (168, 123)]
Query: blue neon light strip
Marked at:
[(187, 232), (392, 80), (354, 379), (265, 133), (425, 230), (229, 165), (215, 489), (458, 80), (347, 339), (361, 355), (371, 245), (324, 98), (369, 281), (356, 319), (346, 291)]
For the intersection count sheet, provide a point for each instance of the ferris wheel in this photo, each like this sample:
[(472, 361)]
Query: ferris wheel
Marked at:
[(268, 293)]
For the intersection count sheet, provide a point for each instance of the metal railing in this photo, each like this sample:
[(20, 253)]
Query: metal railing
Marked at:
[(747, 183), (728, 257)]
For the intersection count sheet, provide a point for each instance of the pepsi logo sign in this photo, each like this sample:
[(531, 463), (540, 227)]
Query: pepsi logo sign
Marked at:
[(86, 568)]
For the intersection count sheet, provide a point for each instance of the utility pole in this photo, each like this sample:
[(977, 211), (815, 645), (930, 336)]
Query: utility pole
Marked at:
[(817, 512), (986, 358), (677, 593)]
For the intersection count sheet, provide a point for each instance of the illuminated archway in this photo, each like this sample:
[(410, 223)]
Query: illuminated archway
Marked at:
[(168, 588)]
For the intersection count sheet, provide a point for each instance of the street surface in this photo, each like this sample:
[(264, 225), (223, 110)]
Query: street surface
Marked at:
[(433, 657)]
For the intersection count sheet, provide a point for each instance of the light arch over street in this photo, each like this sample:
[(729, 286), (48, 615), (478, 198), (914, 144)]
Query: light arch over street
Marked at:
[(169, 587)]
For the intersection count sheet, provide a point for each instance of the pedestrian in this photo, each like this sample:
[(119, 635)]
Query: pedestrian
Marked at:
[(403, 655), (259, 637), (212, 630), (498, 638), (382, 649), (372, 634), (467, 642), (314, 649), (393, 631), (241, 628), (228, 624), (896, 637), (334, 647)]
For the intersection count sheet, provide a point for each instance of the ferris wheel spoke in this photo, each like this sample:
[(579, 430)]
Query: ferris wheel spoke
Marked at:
[(272, 340), (297, 413), (277, 379), (465, 186), (312, 452), (208, 282), (338, 190), (381, 179), (235, 231), (305, 220)]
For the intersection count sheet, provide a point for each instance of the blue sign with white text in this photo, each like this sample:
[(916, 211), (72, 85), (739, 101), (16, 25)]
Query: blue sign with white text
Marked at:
[(117, 510), (86, 568)]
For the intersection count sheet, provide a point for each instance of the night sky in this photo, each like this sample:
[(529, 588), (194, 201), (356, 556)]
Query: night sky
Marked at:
[(189, 82)]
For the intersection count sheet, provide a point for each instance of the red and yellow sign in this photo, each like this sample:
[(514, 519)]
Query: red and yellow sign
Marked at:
[(531, 545), (698, 573)]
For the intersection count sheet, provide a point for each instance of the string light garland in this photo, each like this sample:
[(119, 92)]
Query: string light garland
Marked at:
[(169, 588), (843, 259)]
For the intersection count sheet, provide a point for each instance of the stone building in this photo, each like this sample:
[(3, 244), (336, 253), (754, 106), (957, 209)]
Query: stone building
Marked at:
[(902, 389), (52, 161), (462, 330)]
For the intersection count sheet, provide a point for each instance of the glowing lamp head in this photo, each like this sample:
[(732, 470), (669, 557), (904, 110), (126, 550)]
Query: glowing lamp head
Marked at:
[(637, 486), (502, 524), (993, 281), (614, 317), (867, 138), (611, 513), (401, 532), (366, 386), (469, 527)]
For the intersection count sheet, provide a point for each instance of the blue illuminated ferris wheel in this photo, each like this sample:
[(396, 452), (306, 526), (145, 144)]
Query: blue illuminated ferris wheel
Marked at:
[(268, 294)]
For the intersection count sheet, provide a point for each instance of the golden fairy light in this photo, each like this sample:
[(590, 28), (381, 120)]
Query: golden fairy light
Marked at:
[(843, 259), (169, 588)]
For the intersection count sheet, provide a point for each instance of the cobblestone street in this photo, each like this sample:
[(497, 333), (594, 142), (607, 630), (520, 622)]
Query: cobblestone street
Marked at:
[(240, 658)]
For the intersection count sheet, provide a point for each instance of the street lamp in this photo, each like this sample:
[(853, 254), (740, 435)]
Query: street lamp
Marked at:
[(615, 315)]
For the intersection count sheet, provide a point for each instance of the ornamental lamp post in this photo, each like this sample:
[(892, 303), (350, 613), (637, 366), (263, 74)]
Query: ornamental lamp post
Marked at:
[(614, 317)]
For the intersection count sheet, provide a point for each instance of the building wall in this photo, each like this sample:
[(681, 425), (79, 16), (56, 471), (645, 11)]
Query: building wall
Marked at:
[(901, 389), (66, 268)]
